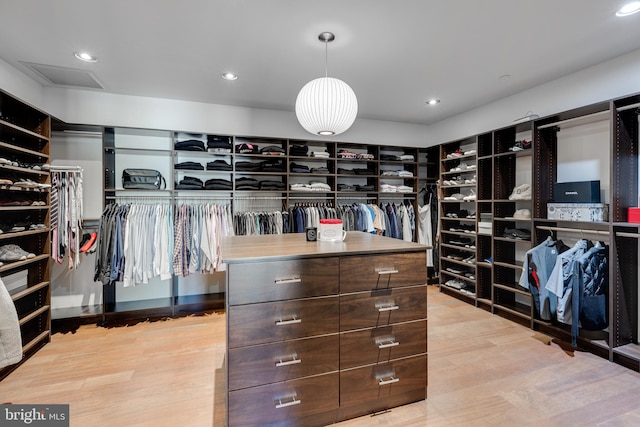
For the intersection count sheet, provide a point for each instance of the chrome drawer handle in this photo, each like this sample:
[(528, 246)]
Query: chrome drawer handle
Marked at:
[(381, 272), (389, 381), (292, 402), (293, 361), (388, 308), (387, 344), (285, 281), (288, 322)]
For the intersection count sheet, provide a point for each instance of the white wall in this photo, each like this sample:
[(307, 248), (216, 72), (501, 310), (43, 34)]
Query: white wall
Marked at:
[(612, 79), (100, 108), (20, 85)]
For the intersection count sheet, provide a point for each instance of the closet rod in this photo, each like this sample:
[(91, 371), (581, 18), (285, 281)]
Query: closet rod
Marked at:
[(56, 168), (629, 107), (258, 198), (623, 234), (573, 230), (575, 119)]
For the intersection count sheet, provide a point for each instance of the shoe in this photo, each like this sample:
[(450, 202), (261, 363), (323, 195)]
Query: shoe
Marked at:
[(470, 197), (521, 192), (470, 181), (14, 253), (471, 215), (469, 152), (455, 154), (489, 260), (521, 145), (461, 167), (517, 233), (454, 197), (470, 276)]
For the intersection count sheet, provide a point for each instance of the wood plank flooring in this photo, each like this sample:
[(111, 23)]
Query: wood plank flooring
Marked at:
[(483, 371)]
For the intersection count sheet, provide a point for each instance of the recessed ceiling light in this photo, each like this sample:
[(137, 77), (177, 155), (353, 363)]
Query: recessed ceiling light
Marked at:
[(629, 9), (433, 101), (229, 76), (86, 57)]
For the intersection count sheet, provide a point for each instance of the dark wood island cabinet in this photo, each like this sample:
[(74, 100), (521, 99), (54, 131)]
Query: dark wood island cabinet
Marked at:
[(320, 332)]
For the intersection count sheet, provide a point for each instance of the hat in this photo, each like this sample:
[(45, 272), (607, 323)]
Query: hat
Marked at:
[(522, 214), (521, 192)]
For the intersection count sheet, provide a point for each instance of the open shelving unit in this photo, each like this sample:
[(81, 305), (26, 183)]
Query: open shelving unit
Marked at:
[(24, 140)]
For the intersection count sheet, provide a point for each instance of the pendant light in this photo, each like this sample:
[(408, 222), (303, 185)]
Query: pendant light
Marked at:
[(326, 106)]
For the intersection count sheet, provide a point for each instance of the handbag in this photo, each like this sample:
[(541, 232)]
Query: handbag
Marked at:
[(143, 179)]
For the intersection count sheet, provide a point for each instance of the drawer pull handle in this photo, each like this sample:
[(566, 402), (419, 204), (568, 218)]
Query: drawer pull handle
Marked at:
[(381, 272), (388, 308), (387, 344), (286, 281), (292, 402), (288, 322), (293, 361), (389, 381)]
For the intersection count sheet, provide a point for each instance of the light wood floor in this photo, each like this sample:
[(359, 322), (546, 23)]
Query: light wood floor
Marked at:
[(483, 371)]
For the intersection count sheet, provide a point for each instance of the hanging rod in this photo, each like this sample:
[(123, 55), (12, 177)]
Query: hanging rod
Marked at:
[(572, 230), (57, 168), (575, 119), (629, 107), (259, 197), (632, 235)]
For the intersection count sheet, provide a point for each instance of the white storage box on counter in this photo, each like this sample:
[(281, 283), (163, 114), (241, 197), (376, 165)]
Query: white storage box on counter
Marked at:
[(589, 212)]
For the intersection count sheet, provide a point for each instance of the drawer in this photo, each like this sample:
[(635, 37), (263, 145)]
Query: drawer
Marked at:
[(306, 402), (270, 363), (281, 280), (377, 345), (384, 380), (279, 321), (382, 307), (361, 273)]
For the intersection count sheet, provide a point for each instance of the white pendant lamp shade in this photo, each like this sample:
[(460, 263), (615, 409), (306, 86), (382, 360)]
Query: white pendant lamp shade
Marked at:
[(326, 106)]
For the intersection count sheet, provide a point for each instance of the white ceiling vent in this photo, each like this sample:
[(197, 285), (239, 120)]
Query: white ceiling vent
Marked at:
[(62, 76)]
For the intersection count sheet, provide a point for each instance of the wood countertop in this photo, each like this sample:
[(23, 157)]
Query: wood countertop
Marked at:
[(237, 249)]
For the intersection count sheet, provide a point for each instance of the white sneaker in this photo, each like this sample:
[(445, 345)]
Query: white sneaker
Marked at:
[(454, 197), (470, 197)]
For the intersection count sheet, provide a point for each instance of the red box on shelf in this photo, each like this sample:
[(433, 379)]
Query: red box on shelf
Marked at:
[(633, 215)]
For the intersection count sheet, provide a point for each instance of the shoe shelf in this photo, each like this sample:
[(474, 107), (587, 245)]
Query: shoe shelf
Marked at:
[(8, 266), (24, 140), (11, 235), (512, 288)]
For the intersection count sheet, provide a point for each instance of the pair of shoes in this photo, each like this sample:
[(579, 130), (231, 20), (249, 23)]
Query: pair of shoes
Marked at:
[(470, 181), (517, 233), (462, 167), (13, 252), (455, 154), (489, 260), (454, 197), (470, 259), (455, 283), (470, 197), (455, 181), (471, 215), (459, 214), (521, 192), (521, 145)]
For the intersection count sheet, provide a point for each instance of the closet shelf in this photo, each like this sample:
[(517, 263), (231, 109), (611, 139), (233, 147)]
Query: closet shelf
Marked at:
[(24, 208), (517, 265), (517, 310), (17, 131), (34, 314), (31, 289), (17, 264), (31, 344), (23, 233), (512, 288), (23, 189), (459, 276), (24, 170), (22, 150)]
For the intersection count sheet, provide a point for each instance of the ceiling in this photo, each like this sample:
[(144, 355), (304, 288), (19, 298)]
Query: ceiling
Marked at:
[(394, 54)]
